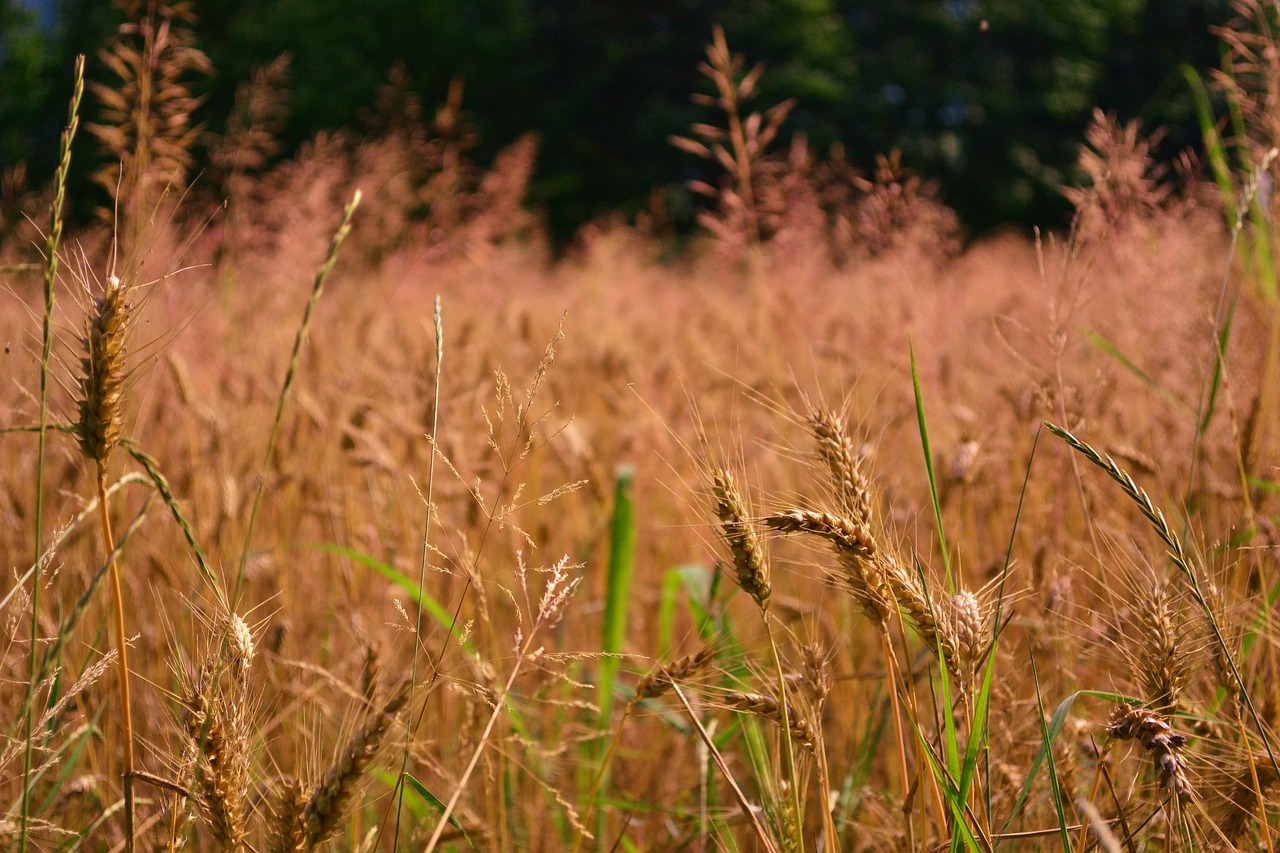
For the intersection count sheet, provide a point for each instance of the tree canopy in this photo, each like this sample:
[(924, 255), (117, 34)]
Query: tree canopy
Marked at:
[(989, 97)]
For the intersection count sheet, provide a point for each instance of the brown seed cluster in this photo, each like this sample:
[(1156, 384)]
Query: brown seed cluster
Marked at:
[(660, 681), (1159, 659), (329, 802), (1161, 742), (767, 707), (749, 563), (102, 379), (836, 449)]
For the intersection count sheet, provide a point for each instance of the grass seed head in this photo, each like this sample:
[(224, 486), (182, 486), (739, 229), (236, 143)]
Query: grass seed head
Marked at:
[(329, 801), (1160, 659), (1161, 742), (836, 449), (749, 563), (102, 379), (660, 681)]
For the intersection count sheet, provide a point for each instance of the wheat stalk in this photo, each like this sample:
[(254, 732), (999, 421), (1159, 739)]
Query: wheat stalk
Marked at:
[(52, 241), (101, 398)]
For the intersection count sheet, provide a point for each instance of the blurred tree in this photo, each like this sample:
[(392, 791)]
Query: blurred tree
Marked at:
[(990, 96), (26, 127)]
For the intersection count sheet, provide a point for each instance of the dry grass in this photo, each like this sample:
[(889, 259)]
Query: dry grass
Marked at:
[(779, 696)]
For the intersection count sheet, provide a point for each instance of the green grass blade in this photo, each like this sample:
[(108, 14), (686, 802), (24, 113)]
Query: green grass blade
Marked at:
[(1215, 150), (622, 549), (669, 597), (1048, 753), (621, 568), (1101, 342), (423, 804), (1215, 378), (928, 465), (433, 608), (950, 794), (1048, 736)]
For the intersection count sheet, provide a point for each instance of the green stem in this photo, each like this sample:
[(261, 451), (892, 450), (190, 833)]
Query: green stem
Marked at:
[(50, 277)]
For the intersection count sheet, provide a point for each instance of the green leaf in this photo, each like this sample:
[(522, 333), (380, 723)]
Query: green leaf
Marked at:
[(1101, 342), (1048, 736), (622, 548), (928, 465), (425, 796), (410, 585)]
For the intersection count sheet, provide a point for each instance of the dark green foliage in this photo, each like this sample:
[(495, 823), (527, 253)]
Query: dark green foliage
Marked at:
[(991, 97)]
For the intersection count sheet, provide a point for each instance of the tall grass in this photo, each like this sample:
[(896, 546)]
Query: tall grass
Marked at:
[(798, 615)]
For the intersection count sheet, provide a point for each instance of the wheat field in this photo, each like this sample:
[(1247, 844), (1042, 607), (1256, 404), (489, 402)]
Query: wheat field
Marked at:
[(328, 526)]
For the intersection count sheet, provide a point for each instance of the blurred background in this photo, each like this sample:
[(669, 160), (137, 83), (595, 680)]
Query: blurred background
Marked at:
[(990, 98)]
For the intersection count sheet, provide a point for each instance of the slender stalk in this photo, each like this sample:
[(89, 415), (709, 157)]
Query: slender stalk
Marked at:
[(322, 275), (891, 671), (126, 716), (422, 563), (724, 770), (788, 753), (498, 705), (600, 772), (46, 351)]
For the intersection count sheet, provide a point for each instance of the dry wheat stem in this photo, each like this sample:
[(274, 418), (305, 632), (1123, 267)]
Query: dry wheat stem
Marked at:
[(743, 802), (438, 323)]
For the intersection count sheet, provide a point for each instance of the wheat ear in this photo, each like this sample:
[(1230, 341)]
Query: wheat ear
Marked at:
[(750, 566), (1210, 604), (835, 448), (651, 685), (1160, 741), (331, 797), (101, 423)]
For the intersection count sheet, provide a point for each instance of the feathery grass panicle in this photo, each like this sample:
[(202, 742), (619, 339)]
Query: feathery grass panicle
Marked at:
[(751, 567), (331, 798), (836, 449)]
